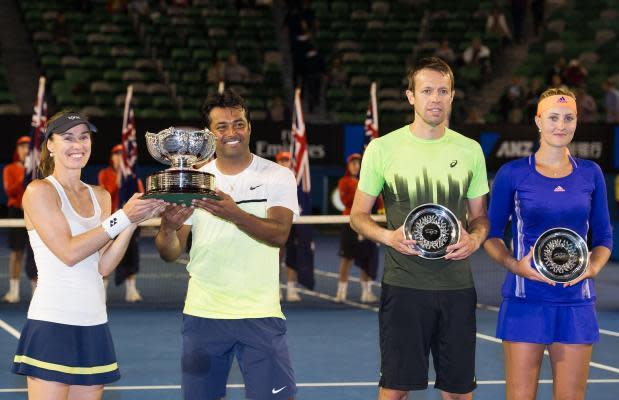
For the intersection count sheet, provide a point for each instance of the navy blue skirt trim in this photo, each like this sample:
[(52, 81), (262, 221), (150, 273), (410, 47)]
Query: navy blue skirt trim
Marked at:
[(74, 355)]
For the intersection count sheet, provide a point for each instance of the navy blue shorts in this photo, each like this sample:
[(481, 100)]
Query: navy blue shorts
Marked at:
[(259, 345), (544, 323)]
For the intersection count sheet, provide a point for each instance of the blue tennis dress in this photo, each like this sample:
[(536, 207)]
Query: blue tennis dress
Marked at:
[(66, 336), (532, 311)]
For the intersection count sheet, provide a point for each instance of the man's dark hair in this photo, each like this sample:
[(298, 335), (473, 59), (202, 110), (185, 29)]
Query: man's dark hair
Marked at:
[(228, 99), (432, 63)]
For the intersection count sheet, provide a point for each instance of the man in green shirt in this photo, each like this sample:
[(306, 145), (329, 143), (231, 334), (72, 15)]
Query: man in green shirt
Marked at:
[(426, 305)]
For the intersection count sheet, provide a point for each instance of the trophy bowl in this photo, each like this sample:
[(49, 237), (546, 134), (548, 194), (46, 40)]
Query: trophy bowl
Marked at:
[(434, 227), (180, 148), (561, 255)]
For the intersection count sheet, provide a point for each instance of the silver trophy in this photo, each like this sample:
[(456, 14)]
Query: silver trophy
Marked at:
[(180, 148), (561, 255), (434, 227)]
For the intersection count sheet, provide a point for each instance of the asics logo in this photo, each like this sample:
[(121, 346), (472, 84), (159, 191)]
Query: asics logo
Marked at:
[(275, 391), (453, 163)]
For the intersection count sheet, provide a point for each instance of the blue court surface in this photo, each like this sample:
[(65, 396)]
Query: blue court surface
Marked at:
[(334, 347)]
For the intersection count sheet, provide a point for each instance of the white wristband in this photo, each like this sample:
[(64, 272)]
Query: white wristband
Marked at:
[(115, 223)]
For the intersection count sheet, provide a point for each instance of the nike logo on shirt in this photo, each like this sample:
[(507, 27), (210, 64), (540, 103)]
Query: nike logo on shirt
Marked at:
[(255, 187), (278, 390)]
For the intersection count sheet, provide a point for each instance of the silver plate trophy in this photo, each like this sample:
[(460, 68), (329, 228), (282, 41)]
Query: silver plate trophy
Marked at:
[(180, 148), (434, 227), (561, 255)]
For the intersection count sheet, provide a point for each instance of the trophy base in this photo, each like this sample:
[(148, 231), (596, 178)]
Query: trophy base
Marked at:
[(181, 198), (180, 186)]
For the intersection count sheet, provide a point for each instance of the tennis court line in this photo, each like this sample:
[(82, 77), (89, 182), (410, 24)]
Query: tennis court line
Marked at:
[(482, 306), (9, 329), (307, 385), (479, 335)]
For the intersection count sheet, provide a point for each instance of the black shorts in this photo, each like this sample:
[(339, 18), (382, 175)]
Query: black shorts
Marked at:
[(18, 237), (348, 242), (414, 323), (364, 252), (130, 263)]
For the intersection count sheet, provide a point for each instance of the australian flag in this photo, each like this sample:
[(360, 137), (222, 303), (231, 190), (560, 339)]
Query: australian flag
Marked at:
[(303, 237), (129, 181), (371, 118), (39, 118)]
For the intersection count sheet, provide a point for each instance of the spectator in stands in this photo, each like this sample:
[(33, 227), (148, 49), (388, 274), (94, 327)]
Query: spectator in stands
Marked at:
[(363, 252), (556, 82), (114, 6), (473, 116), (538, 9), (445, 52), (512, 101), (337, 77), (278, 111), (477, 54), (586, 106), (558, 68), (110, 179), (13, 179), (496, 23), (519, 13), (234, 71), (532, 98), (215, 73), (61, 30), (139, 7), (611, 101), (575, 74), (312, 72), (301, 23)]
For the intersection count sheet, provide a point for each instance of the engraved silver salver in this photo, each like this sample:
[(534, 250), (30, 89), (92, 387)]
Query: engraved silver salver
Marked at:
[(180, 148), (434, 227), (561, 255)]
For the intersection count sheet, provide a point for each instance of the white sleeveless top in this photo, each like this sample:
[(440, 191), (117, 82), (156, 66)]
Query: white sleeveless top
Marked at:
[(68, 295)]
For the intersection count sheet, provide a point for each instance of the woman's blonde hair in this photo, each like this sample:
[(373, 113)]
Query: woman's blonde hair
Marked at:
[(557, 92)]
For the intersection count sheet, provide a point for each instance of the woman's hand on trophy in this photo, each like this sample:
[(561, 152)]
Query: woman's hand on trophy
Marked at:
[(174, 216), (138, 209), (397, 239), (523, 268), (225, 207)]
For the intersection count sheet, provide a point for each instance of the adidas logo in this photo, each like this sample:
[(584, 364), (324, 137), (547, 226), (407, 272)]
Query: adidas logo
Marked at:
[(562, 100), (559, 189)]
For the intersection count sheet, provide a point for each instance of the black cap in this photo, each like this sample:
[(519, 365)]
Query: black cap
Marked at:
[(66, 122)]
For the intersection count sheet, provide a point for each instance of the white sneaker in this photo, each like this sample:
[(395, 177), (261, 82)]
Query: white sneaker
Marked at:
[(133, 296), (342, 291), (368, 297), (292, 296), (10, 297)]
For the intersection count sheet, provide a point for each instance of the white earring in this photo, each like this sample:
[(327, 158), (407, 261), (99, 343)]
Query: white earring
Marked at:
[(51, 154)]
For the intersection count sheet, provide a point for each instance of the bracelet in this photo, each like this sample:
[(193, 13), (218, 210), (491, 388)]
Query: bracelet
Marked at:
[(115, 223)]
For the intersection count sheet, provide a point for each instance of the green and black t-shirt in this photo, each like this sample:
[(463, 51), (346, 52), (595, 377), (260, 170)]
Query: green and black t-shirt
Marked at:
[(410, 171)]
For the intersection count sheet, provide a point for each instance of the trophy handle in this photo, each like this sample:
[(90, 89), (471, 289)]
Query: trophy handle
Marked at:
[(153, 148)]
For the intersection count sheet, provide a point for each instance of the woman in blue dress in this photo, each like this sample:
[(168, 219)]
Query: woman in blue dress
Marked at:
[(548, 189)]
